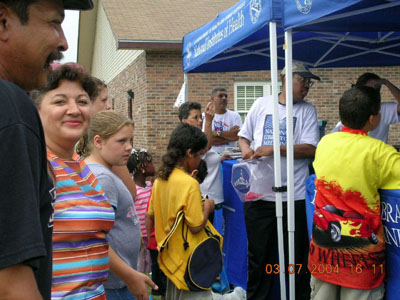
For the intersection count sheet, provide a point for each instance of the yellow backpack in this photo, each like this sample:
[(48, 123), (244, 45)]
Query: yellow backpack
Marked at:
[(191, 261)]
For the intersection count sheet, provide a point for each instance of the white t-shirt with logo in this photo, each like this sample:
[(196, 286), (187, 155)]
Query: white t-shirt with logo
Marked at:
[(258, 128), (389, 116), (225, 122)]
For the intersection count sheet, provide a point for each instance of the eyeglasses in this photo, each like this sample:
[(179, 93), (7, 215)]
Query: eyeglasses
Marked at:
[(304, 80), (222, 96)]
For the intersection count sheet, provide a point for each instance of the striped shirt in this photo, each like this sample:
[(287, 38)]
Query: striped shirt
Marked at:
[(143, 195), (82, 217)]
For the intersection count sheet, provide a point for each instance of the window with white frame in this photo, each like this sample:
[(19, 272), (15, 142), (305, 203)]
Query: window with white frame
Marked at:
[(248, 92)]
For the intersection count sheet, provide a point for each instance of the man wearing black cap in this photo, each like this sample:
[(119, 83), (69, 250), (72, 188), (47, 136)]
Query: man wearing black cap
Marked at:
[(260, 216), (31, 38)]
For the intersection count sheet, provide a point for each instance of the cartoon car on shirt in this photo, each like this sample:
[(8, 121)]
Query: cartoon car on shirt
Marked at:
[(339, 223)]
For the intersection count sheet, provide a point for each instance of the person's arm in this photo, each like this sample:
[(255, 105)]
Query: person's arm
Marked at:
[(25, 209), (208, 207), (18, 283), (244, 145), (123, 173), (209, 116), (226, 136), (135, 281), (394, 90), (299, 151), (149, 223)]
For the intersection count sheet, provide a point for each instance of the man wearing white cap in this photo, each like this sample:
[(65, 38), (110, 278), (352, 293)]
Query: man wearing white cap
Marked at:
[(260, 216), (31, 38)]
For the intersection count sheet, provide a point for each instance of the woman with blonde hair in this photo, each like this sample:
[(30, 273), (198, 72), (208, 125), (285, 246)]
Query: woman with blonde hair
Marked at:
[(110, 137)]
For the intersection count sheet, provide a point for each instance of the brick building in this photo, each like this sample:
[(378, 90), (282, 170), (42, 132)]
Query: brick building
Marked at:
[(136, 45)]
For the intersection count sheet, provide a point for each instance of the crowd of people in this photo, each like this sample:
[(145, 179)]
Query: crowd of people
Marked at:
[(80, 219)]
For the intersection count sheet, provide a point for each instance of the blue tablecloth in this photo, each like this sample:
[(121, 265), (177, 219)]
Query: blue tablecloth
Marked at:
[(231, 224)]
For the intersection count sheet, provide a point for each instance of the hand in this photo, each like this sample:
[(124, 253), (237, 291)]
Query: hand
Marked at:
[(226, 156), (379, 83), (138, 285), (208, 205), (263, 151), (235, 129), (247, 153), (210, 112)]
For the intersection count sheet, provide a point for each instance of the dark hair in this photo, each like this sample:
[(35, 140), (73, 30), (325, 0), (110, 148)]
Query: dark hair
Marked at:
[(217, 89), (185, 108), (68, 73), (20, 7), (202, 171), (357, 105), (183, 138), (138, 158), (364, 78), (99, 87)]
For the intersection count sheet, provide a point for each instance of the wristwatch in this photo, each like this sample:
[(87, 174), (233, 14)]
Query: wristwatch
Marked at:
[(219, 132)]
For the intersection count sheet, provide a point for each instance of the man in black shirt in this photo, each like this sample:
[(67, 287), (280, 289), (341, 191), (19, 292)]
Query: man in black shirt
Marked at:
[(31, 38)]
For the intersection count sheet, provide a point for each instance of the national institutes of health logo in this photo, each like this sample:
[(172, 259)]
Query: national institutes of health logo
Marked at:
[(255, 10), (304, 6)]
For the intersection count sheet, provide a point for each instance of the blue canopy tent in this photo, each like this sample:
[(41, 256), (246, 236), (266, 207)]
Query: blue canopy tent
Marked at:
[(355, 41), (345, 33)]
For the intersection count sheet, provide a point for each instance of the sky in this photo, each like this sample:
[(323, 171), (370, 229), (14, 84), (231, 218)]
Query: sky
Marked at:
[(70, 27)]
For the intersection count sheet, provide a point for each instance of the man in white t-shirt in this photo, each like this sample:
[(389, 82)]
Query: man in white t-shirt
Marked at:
[(260, 216), (390, 111), (226, 123)]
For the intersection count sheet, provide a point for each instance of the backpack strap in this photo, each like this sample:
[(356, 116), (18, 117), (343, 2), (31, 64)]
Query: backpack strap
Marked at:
[(185, 242), (174, 226)]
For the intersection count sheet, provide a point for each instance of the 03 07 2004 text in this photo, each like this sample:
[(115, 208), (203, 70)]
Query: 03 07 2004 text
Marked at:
[(275, 269)]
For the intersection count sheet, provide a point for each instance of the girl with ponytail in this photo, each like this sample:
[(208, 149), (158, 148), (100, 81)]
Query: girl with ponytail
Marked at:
[(175, 190)]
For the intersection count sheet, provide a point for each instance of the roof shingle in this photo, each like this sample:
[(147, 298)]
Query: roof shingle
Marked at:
[(160, 20)]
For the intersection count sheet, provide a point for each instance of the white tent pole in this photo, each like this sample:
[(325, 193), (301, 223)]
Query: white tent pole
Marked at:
[(290, 160), (277, 155), (186, 83)]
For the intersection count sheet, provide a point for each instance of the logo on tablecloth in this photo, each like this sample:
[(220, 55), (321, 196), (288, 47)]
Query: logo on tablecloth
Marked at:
[(255, 10), (304, 7)]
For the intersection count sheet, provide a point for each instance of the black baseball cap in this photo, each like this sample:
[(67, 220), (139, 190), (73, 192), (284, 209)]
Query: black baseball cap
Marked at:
[(78, 4)]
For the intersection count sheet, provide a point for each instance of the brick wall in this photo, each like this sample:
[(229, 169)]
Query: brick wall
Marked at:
[(156, 79), (132, 78)]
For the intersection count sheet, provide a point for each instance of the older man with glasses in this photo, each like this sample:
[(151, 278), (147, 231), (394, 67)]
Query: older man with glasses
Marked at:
[(260, 216)]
